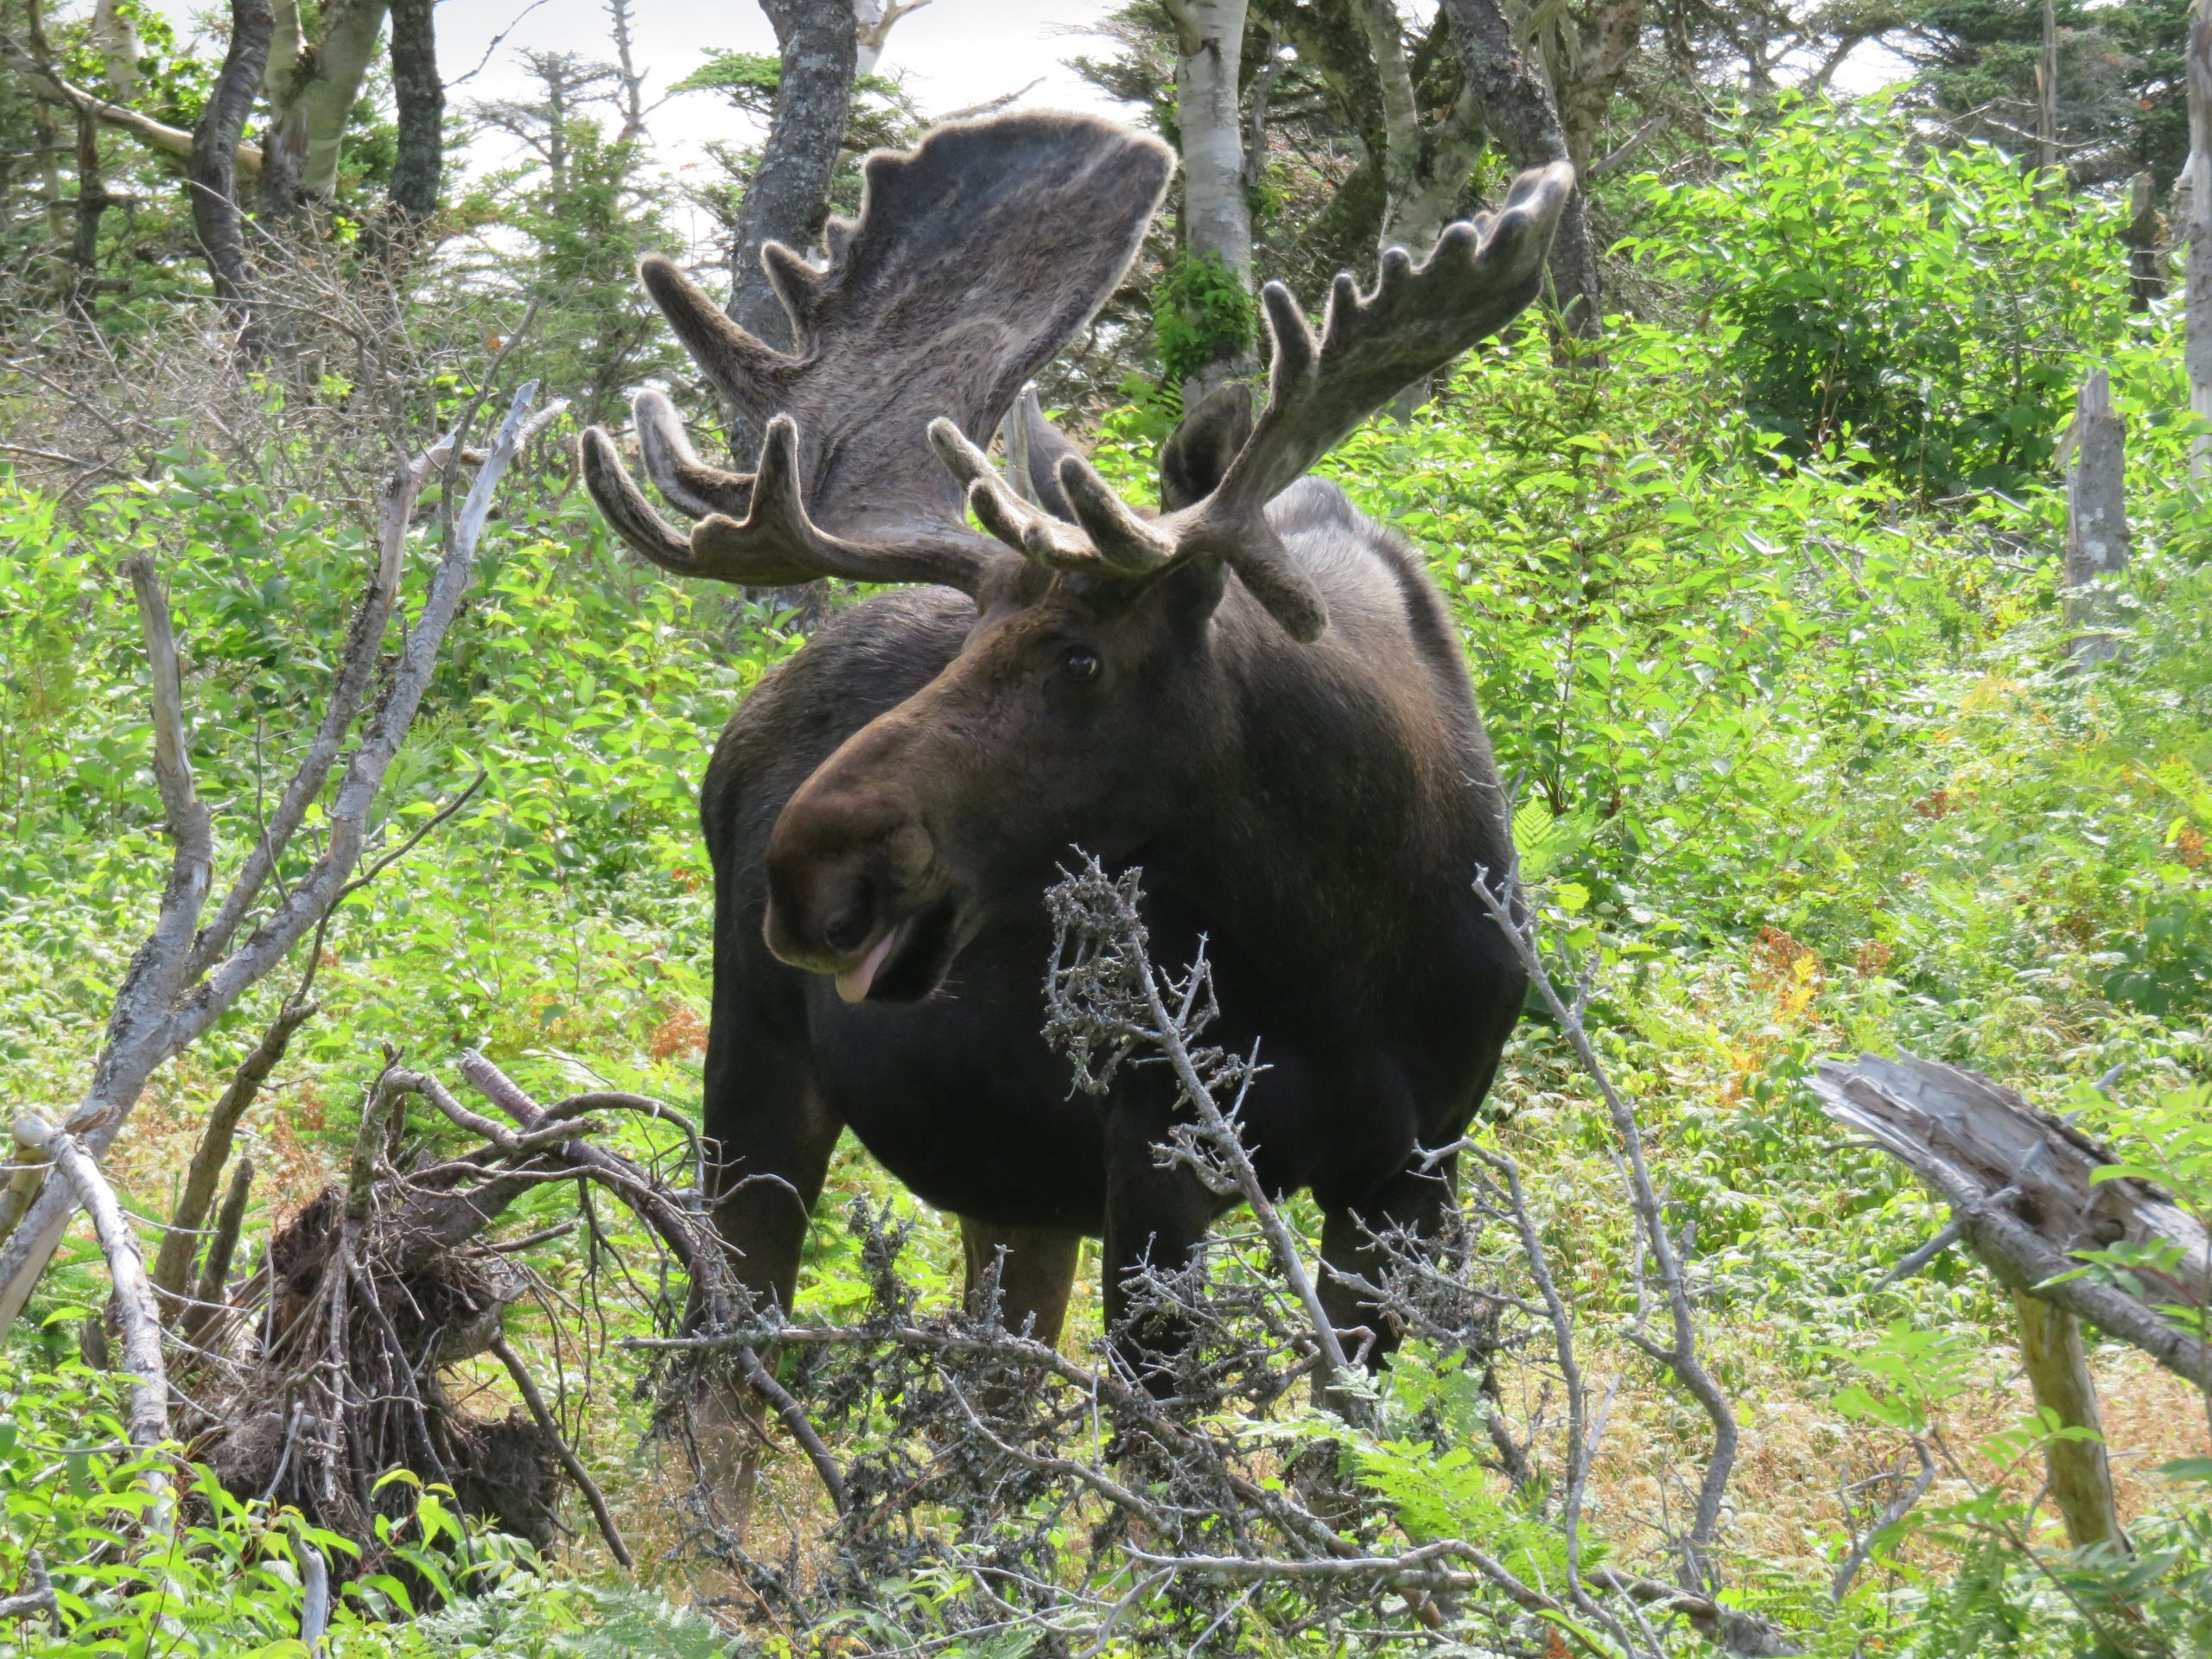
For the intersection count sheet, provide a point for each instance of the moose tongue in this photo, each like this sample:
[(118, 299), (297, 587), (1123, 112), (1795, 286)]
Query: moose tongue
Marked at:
[(853, 983)]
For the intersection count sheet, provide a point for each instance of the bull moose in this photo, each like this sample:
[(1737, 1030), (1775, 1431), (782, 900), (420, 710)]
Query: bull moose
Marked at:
[(1254, 693)]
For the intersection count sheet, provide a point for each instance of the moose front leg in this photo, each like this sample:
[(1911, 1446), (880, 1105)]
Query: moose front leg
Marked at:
[(769, 1139), (1413, 1204), (1035, 1274)]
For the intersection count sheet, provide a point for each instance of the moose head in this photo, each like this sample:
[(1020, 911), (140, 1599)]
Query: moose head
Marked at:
[(1089, 696)]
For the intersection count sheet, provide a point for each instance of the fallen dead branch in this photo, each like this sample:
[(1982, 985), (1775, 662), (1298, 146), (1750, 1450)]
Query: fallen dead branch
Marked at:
[(2025, 1198)]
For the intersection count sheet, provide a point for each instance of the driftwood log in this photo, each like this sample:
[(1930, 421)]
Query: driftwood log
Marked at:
[(2024, 1197)]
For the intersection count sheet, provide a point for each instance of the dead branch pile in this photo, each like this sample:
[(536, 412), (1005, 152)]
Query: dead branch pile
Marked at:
[(1080, 1502), (326, 1368)]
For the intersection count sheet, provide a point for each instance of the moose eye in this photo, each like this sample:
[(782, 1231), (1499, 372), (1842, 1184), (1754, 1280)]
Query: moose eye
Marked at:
[(1080, 664)]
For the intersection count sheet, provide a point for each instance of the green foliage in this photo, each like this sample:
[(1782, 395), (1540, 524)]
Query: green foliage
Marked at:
[(1792, 744), (1921, 301), (748, 79), (583, 228), (1202, 314)]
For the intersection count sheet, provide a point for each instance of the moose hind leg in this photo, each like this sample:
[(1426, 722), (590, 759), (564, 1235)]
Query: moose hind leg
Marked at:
[(1031, 1269), (1356, 1240)]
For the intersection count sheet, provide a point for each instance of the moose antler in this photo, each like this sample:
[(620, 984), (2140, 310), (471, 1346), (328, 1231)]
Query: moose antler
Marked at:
[(975, 256), (1479, 276)]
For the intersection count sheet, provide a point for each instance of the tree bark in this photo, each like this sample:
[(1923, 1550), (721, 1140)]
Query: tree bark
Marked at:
[(789, 197), (93, 200), (311, 87), (2096, 516), (172, 1271), (2047, 100), (213, 171), (1422, 172), (1216, 222), (2058, 1374), (417, 169), (1519, 108), (1609, 41), (874, 20), (2147, 271), (116, 36)]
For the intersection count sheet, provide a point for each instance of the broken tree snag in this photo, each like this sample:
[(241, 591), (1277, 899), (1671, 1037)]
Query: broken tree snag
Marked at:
[(2080, 1470), (2020, 1187), (173, 1265), (134, 1296), (2096, 518)]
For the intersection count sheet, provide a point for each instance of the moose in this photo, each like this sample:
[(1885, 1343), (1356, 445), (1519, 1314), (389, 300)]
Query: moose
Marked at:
[(1254, 693)]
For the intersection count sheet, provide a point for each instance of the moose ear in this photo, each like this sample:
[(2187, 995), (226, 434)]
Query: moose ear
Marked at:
[(1198, 453)]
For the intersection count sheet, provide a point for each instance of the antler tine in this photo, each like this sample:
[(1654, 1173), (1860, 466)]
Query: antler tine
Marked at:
[(676, 469), (626, 507), (798, 285), (1036, 535), (1048, 445), (1417, 318), (777, 543), (750, 374), (1123, 539)]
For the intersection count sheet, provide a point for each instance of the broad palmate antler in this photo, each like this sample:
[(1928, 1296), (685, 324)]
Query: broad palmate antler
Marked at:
[(1482, 272), (976, 258)]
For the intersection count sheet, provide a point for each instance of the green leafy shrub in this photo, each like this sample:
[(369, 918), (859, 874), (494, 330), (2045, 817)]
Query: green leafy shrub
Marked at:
[(1919, 299), (1202, 314)]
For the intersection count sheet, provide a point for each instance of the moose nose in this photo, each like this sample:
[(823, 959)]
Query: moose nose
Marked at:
[(840, 877), (852, 925)]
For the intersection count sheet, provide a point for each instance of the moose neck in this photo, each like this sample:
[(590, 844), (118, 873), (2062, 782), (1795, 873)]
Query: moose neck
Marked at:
[(1336, 795)]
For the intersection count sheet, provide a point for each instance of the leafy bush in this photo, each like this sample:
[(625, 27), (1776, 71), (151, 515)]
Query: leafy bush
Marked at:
[(1918, 300), (1201, 315)]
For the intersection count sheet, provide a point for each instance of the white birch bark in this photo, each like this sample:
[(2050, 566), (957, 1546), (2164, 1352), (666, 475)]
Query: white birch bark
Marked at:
[(1217, 224)]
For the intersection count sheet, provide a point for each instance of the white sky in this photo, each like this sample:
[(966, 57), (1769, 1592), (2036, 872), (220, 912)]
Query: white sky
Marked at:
[(951, 53)]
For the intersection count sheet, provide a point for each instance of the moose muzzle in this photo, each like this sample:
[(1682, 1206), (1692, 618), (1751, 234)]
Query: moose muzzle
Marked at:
[(847, 873)]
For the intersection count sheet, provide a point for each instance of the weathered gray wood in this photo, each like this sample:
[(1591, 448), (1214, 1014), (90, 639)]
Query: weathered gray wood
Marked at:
[(2096, 517), (2146, 264), (2019, 1184), (2047, 102), (2058, 1373)]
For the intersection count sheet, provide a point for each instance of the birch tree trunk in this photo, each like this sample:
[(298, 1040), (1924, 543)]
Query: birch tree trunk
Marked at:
[(1217, 223), (2047, 101), (2198, 354), (872, 21), (1423, 172), (115, 35), (311, 87)]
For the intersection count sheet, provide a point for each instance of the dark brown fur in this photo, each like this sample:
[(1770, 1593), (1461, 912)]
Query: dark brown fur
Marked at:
[(1255, 693)]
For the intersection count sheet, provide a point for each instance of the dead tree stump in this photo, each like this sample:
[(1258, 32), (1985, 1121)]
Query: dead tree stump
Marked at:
[(2096, 518), (2023, 1199)]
